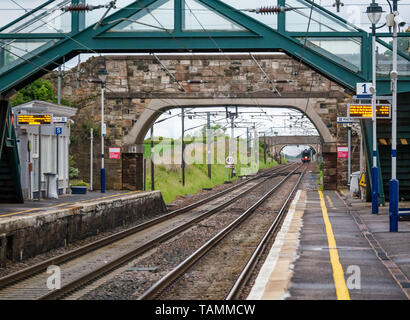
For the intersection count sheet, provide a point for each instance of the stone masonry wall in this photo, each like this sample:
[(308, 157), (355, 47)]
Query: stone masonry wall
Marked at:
[(134, 80), (31, 235)]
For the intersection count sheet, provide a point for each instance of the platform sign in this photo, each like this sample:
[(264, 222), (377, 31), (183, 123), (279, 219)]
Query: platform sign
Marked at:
[(114, 153), (342, 152), (60, 119), (347, 120), (34, 119), (364, 111), (363, 90), (362, 181), (59, 130)]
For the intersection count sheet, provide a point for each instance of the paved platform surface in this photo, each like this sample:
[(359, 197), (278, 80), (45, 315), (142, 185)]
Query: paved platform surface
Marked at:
[(35, 206), (331, 248)]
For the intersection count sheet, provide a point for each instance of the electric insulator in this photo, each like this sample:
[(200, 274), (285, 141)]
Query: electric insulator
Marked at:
[(81, 7), (269, 10)]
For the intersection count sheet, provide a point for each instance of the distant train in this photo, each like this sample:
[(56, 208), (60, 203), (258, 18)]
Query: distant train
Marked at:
[(305, 156)]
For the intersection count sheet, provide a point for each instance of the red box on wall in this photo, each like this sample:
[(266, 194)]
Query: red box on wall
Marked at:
[(342, 152)]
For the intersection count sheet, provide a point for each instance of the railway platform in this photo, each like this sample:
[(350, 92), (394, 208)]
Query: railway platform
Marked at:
[(29, 207), (39, 226), (331, 247)]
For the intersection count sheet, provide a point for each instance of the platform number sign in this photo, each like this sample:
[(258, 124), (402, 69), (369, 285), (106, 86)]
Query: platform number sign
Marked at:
[(363, 90), (59, 130)]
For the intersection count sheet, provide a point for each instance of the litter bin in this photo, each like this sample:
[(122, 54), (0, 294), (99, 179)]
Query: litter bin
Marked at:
[(51, 185), (354, 183)]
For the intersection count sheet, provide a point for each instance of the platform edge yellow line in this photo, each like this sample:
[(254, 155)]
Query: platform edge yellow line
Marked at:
[(342, 293)]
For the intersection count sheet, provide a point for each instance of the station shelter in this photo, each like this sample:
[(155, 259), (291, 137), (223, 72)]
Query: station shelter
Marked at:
[(43, 138)]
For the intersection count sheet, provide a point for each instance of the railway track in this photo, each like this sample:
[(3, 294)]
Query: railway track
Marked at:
[(222, 266), (87, 263)]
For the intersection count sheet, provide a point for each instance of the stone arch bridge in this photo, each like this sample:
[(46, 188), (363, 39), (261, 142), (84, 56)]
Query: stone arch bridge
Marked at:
[(275, 144), (140, 88)]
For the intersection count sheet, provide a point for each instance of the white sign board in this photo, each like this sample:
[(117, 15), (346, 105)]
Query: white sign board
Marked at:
[(59, 119), (346, 120), (229, 160), (363, 90)]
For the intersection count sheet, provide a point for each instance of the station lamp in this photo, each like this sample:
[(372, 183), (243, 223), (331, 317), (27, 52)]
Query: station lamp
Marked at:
[(374, 12), (102, 75)]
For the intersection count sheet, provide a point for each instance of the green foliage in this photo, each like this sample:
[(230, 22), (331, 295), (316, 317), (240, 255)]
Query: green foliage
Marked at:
[(320, 179), (80, 184), (73, 171), (88, 125), (40, 89), (216, 129)]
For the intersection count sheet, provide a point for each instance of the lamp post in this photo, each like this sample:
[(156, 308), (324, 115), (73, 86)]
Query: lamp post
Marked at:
[(102, 75), (374, 13), (393, 20)]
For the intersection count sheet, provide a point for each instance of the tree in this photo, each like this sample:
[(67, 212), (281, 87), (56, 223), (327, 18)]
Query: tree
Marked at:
[(40, 89), (216, 129)]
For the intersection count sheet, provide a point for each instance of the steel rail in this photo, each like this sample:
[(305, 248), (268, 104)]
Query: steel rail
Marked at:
[(39, 267), (90, 276), (248, 269), (176, 273)]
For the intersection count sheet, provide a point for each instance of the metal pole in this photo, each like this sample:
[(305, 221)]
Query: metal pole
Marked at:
[(247, 146), (183, 145), (375, 171), (57, 137), (102, 140), (349, 156), (91, 157), (255, 144), (152, 159), (264, 147), (231, 153), (59, 85), (394, 183), (208, 143), (361, 164), (145, 174), (39, 162)]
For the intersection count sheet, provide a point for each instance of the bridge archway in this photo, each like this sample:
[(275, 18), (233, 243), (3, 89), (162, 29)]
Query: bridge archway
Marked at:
[(316, 148), (154, 108), (134, 139)]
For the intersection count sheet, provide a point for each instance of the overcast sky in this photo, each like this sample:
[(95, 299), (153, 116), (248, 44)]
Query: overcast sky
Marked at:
[(352, 10)]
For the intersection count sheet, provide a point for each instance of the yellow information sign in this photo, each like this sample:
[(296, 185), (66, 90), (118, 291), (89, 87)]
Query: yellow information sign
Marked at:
[(362, 181), (34, 119), (365, 111)]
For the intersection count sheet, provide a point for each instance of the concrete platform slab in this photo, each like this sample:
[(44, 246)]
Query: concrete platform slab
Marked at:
[(342, 252)]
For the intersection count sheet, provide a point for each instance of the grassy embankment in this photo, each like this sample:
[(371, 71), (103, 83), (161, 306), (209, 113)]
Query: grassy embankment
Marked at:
[(168, 178)]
